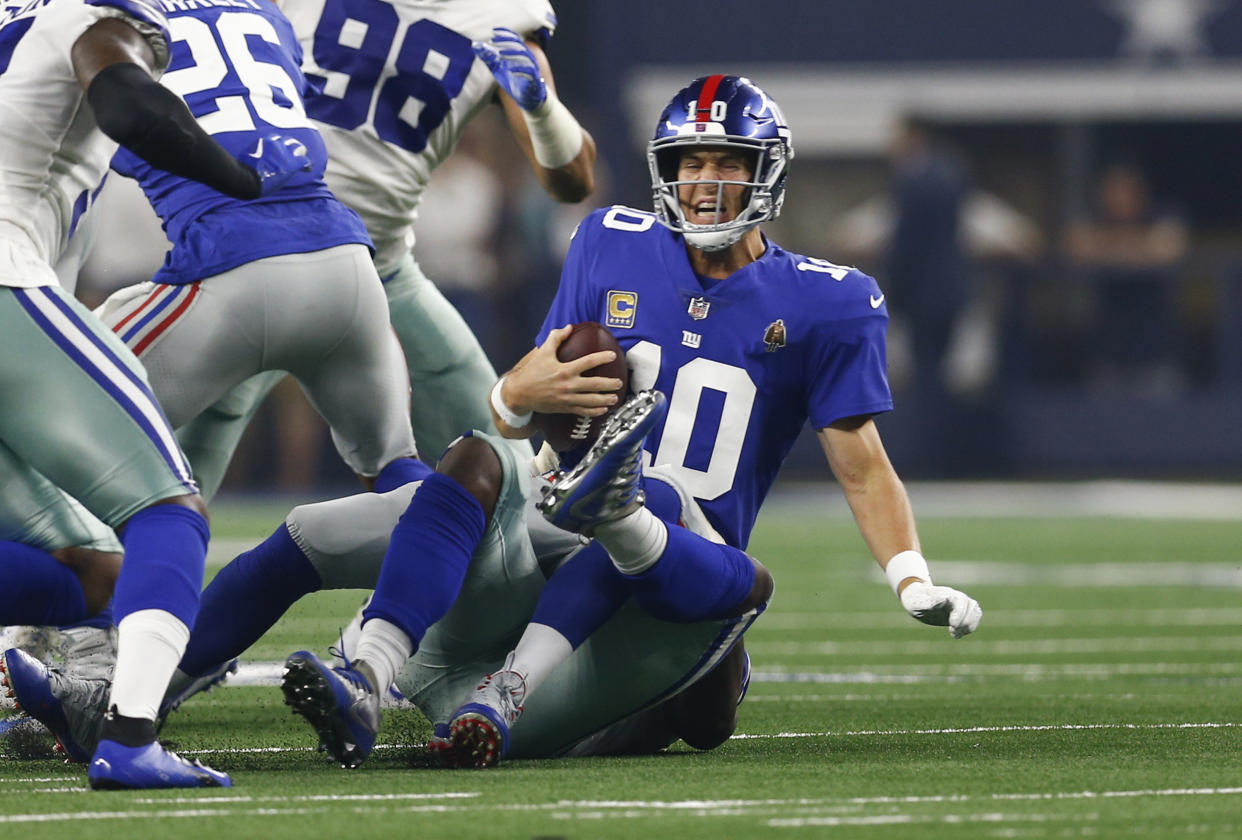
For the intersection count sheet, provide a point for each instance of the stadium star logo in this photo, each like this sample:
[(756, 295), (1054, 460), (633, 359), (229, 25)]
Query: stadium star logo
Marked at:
[(1164, 29)]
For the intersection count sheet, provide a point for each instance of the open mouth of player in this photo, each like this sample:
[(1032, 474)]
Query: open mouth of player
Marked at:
[(707, 212)]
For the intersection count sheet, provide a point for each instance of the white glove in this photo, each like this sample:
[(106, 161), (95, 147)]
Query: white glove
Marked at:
[(941, 606)]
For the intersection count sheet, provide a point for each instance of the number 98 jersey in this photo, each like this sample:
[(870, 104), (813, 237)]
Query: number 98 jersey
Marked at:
[(745, 362), (399, 82)]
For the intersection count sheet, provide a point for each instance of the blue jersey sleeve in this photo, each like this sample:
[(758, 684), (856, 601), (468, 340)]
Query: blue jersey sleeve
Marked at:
[(848, 374)]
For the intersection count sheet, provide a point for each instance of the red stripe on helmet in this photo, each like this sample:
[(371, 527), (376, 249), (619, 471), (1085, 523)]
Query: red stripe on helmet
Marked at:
[(703, 108)]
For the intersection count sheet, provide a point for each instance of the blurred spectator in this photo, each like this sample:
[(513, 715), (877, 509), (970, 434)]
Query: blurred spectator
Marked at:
[(928, 274), (1128, 250), (457, 230)]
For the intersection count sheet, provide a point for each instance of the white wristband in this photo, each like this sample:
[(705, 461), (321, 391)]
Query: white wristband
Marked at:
[(554, 133), (512, 420), (907, 564)]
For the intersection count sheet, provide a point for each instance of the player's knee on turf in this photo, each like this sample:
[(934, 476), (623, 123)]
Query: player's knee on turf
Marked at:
[(472, 463), (705, 714), (96, 571)]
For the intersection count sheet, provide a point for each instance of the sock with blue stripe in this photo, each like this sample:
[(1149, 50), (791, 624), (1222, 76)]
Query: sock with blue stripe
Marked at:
[(694, 580), (246, 598), (401, 471), (423, 570), (38, 588), (581, 595), (165, 554)]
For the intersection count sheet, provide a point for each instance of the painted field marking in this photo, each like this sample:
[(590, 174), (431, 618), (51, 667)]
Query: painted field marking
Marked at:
[(1079, 575), (592, 808), (1001, 647), (250, 674), (1029, 672), (775, 619), (915, 697), (319, 797), (974, 730)]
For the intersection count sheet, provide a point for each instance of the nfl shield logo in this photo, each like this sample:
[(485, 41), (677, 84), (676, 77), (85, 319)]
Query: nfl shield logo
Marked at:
[(698, 308)]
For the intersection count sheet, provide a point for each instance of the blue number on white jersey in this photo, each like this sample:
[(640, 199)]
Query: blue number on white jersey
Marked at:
[(432, 65)]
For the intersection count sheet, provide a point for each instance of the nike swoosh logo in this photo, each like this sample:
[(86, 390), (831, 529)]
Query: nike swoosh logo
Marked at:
[(258, 150), (876, 301)]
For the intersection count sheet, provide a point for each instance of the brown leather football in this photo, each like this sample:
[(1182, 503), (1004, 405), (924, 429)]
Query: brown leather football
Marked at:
[(565, 432)]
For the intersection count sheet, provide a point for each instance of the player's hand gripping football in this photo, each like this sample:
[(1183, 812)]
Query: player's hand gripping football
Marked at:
[(514, 66), (541, 382), (278, 160), (942, 606)]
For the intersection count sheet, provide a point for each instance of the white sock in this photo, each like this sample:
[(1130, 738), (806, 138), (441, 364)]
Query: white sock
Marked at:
[(384, 647), (537, 654), (149, 646), (634, 542)]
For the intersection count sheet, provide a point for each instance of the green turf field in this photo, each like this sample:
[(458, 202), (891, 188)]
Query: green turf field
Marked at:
[(1100, 698)]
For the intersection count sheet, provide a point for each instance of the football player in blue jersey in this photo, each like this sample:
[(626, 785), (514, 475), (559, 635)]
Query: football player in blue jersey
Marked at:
[(746, 342), (283, 283), (77, 79)]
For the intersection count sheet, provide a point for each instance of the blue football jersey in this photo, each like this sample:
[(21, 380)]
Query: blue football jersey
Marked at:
[(745, 362), (237, 66)]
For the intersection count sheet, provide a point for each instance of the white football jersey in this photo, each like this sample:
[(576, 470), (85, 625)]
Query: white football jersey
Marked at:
[(52, 154), (398, 89)]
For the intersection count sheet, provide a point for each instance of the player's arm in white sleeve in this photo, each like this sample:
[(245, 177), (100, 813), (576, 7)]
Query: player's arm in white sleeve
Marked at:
[(541, 382), (561, 152), (885, 519)]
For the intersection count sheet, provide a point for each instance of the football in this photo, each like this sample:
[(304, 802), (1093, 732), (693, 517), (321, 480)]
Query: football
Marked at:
[(565, 432)]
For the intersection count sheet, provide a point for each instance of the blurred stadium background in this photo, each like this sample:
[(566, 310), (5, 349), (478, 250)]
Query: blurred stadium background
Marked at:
[(1036, 99)]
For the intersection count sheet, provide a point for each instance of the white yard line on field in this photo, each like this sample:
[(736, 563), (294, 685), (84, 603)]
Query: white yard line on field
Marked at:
[(1000, 647), (990, 499), (776, 619), (972, 730), (795, 812), (251, 674), (1027, 672)]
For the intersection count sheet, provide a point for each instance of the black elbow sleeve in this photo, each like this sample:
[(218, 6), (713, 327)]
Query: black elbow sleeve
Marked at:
[(153, 123)]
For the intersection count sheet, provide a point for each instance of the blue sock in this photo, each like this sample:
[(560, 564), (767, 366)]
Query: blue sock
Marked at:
[(246, 598), (165, 552), (427, 556), (401, 471), (694, 580), (581, 595), (38, 588)]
